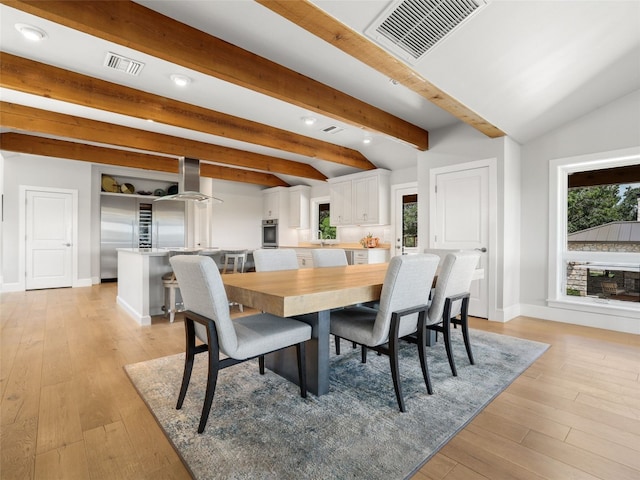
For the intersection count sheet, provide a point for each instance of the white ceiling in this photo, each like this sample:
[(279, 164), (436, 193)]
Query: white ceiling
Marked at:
[(525, 66)]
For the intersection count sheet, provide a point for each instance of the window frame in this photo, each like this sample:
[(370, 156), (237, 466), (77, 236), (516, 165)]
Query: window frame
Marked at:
[(559, 254)]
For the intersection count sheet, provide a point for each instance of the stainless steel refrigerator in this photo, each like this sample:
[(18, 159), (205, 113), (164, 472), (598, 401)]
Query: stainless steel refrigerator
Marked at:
[(137, 222)]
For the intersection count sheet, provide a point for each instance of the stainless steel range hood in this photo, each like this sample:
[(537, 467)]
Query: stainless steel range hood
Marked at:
[(189, 169)]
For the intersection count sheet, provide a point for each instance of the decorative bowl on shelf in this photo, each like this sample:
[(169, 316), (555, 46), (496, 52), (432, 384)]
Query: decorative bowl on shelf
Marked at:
[(127, 188), (109, 184)]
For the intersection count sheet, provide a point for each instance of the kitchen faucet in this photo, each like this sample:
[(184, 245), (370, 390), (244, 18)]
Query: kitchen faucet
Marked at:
[(320, 238)]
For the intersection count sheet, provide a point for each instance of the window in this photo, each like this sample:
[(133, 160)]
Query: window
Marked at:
[(320, 220), (594, 258), (324, 227)]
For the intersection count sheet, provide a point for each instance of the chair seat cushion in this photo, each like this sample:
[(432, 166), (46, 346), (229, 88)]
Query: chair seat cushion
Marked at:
[(354, 324), (264, 332)]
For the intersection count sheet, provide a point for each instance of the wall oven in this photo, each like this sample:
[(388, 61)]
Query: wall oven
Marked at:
[(270, 234)]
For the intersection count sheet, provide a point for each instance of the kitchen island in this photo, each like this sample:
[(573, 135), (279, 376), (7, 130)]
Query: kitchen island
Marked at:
[(140, 271)]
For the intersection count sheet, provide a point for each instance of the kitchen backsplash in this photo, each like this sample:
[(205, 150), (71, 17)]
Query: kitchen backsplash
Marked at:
[(353, 234)]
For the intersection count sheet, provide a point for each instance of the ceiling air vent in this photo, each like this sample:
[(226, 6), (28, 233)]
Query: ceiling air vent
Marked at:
[(123, 64), (333, 129), (410, 28)]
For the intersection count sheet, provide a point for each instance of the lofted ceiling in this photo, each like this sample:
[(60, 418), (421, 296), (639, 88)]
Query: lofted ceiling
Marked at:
[(518, 68)]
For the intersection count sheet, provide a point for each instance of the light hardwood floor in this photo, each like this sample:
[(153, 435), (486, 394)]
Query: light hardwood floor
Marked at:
[(69, 411)]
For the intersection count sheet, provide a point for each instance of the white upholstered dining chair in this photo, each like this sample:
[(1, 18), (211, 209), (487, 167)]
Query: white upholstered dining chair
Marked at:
[(272, 259), (404, 301), (450, 299), (329, 257), (207, 318)]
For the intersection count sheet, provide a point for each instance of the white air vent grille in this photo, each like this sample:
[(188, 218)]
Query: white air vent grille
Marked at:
[(410, 28), (123, 64), (333, 129)]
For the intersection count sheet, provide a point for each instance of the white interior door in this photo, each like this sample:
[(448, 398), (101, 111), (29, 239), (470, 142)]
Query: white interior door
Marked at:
[(49, 234), (462, 223), (406, 220)]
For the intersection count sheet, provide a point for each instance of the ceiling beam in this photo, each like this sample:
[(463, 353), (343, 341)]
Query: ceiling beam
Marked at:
[(49, 147), (142, 29), (607, 176), (29, 119), (28, 76), (238, 175), (316, 21)]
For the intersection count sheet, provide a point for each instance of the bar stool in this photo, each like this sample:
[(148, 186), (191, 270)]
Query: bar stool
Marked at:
[(237, 259), (170, 284)]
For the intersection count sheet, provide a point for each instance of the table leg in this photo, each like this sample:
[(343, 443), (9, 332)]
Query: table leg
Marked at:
[(430, 338), (284, 362)]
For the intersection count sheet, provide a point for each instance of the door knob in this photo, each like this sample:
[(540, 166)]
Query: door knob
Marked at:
[(483, 249), (66, 244)]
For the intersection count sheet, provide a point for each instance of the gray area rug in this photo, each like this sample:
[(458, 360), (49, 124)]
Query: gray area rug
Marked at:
[(260, 427)]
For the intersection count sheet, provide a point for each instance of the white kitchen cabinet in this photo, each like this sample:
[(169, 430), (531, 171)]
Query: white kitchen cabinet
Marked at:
[(305, 259), (360, 198), (271, 204), (299, 206), (340, 194), (371, 255)]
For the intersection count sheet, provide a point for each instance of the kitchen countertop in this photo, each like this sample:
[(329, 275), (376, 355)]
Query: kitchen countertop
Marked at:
[(345, 246), (161, 252)]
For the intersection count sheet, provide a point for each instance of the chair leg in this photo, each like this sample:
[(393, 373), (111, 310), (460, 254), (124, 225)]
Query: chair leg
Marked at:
[(302, 369), (363, 354), (393, 361), (212, 376), (464, 322), (188, 361), (337, 341), (172, 304), (446, 334), (261, 364), (422, 352)]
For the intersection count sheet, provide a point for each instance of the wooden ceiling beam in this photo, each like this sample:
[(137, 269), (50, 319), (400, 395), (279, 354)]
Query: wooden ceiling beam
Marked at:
[(29, 119), (49, 147), (28, 76), (142, 29), (239, 175), (316, 21), (607, 176)]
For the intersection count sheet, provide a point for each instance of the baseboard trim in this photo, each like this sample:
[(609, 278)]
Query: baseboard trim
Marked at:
[(613, 322)]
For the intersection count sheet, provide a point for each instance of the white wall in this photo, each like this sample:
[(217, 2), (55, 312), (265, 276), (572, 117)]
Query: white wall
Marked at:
[(236, 223), (2, 206), (33, 170), (611, 127)]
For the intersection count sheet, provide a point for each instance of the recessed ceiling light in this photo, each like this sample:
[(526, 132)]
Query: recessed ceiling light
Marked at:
[(366, 140), (180, 80), (309, 120), (31, 33)]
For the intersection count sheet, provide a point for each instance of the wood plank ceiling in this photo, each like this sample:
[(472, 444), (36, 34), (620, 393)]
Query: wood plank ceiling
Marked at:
[(137, 27)]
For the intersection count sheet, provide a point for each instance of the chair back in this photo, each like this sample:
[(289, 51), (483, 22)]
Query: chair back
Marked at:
[(203, 293), (329, 257), (407, 283), (456, 274), (272, 259)]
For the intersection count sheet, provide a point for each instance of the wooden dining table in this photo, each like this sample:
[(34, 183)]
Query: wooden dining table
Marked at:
[(308, 294)]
